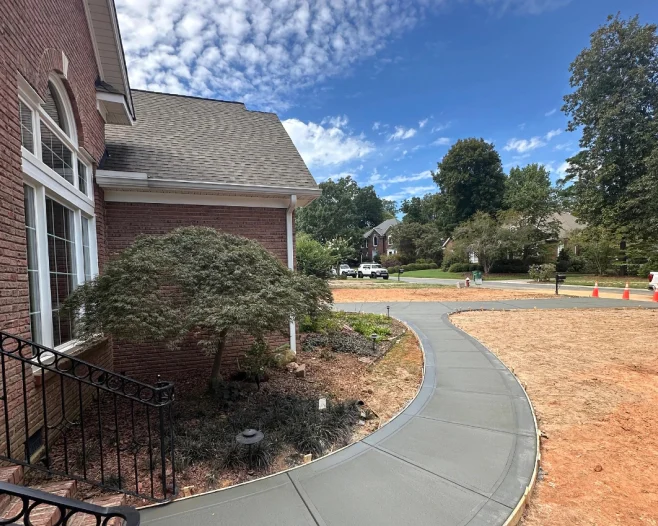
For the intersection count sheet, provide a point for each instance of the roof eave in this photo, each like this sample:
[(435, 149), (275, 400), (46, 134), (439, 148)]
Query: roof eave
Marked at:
[(139, 180)]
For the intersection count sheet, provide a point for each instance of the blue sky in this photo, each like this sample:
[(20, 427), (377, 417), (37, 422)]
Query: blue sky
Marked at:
[(379, 89)]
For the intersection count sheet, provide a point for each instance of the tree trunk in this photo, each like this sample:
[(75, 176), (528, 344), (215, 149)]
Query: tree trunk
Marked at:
[(216, 375)]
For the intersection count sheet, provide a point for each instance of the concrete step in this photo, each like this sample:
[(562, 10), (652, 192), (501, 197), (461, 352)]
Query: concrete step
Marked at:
[(42, 515), (12, 475)]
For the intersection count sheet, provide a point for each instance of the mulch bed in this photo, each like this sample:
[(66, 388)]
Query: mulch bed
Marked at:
[(285, 409)]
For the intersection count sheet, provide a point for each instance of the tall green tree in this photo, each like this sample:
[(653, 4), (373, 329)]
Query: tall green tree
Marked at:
[(418, 241), (344, 210), (420, 209), (614, 103), (471, 179), (194, 282), (529, 192)]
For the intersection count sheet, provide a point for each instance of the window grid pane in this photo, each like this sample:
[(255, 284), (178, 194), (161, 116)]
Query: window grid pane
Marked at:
[(27, 131), (32, 265), (82, 177), (61, 259), (85, 248), (55, 154)]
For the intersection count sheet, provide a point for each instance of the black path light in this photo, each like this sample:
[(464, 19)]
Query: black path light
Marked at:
[(249, 437), (388, 311), (373, 337)]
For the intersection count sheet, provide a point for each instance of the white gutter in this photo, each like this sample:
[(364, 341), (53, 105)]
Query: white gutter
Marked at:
[(291, 261), (136, 180)]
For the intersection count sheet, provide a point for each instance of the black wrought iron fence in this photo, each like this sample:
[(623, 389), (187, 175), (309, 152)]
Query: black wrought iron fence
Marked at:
[(70, 511), (67, 417)]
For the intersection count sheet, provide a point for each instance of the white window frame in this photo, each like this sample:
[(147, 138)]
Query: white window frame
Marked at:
[(48, 184)]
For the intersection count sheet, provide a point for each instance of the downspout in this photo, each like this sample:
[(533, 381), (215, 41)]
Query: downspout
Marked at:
[(291, 261)]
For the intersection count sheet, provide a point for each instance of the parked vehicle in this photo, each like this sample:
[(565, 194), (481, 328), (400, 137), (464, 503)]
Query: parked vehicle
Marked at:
[(372, 270), (653, 280), (345, 270)]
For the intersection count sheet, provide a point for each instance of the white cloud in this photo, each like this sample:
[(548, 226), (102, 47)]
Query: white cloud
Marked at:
[(553, 133), (421, 124), (527, 145), (559, 170), (442, 141), (410, 191), (327, 143), (262, 51), (531, 7), (409, 178), (440, 127), (376, 125), (401, 133), (552, 112), (563, 146), (524, 145)]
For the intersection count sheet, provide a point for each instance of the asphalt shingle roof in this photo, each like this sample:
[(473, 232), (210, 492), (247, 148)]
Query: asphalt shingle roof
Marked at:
[(193, 139), (382, 228)]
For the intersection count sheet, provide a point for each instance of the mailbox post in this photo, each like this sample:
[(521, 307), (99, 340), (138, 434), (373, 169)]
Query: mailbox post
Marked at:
[(559, 278), (400, 271)]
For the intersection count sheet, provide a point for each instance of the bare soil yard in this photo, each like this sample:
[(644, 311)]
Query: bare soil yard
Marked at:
[(372, 291), (592, 376)]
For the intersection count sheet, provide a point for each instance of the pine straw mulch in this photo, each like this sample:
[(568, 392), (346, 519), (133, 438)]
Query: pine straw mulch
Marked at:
[(592, 376)]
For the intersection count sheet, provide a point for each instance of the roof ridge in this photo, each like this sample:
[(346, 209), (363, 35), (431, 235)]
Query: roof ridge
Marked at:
[(195, 97)]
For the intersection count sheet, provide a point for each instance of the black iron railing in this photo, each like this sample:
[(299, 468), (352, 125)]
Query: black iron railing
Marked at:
[(33, 501), (70, 418)]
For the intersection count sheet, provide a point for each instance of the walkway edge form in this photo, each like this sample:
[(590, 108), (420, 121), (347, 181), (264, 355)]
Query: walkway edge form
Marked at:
[(517, 513)]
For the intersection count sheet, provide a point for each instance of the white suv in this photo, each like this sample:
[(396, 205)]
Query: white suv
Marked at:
[(653, 281), (372, 270)]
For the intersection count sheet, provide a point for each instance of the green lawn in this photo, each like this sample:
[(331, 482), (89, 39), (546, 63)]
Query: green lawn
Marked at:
[(440, 274), (586, 280)]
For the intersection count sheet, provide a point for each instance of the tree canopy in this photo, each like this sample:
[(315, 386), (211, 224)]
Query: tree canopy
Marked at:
[(471, 179), (417, 241), (194, 281), (528, 191), (344, 210), (614, 103)]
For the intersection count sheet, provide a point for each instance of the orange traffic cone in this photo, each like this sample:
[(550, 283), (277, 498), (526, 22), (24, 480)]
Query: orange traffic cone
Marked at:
[(627, 293), (655, 295), (595, 292)]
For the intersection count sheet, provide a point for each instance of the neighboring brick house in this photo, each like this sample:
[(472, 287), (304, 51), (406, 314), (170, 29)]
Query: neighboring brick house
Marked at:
[(66, 108), (378, 241)]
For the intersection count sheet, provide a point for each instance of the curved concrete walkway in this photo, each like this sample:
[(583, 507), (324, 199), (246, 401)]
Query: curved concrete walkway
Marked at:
[(462, 453)]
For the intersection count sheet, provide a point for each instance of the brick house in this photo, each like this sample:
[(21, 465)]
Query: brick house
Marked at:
[(87, 164), (378, 241)]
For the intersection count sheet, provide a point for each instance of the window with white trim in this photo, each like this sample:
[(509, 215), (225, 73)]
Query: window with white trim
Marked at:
[(374, 241), (60, 222)]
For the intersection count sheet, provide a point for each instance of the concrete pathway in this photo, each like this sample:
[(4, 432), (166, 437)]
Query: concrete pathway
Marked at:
[(462, 453)]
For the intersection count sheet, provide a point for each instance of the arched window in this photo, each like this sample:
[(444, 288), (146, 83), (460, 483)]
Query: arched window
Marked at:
[(54, 107), (59, 210)]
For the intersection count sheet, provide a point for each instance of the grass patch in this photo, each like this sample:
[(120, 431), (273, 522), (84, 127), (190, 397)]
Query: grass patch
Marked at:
[(361, 323)]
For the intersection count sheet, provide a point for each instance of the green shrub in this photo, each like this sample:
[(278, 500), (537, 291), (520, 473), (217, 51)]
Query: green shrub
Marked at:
[(464, 267), (420, 266), (343, 342), (576, 264), (451, 258), (508, 266), (390, 261), (544, 272)]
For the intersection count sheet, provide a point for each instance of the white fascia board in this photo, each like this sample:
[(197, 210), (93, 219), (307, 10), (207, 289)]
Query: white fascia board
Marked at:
[(178, 198), (136, 180), (115, 104)]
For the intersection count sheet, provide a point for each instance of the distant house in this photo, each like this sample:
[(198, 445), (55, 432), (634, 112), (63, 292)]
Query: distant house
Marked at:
[(378, 241), (568, 226)]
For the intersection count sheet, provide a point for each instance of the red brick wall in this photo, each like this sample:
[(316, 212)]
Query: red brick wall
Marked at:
[(33, 35), (125, 221)]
